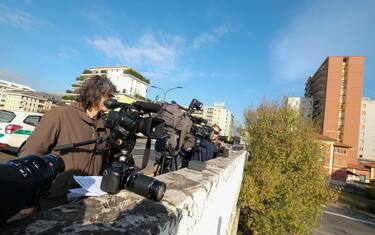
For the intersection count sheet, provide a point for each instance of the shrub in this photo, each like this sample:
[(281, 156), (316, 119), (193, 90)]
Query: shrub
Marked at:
[(136, 74), (284, 187)]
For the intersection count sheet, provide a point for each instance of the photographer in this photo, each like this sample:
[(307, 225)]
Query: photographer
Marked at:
[(80, 121)]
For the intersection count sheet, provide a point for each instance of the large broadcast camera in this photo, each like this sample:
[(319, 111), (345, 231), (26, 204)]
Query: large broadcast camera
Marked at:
[(178, 122), (24, 181), (124, 125), (200, 129)]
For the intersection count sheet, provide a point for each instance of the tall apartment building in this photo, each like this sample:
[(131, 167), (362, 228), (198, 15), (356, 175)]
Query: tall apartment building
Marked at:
[(367, 130), (221, 116), (336, 89), (130, 84), (302, 105)]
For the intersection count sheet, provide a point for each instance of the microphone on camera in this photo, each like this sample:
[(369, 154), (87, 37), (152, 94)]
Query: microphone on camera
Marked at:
[(147, 106)]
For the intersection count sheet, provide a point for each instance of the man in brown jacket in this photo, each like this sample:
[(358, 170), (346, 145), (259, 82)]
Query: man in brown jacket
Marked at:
[(80, 121)]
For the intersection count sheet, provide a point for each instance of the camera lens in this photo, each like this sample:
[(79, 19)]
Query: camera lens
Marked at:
[(145, 186), (24, 180)]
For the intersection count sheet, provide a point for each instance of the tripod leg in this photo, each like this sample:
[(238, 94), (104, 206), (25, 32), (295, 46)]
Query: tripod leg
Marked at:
[(156, 171)]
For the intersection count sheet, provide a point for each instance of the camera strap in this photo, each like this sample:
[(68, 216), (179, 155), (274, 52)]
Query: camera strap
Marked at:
[(146, 154)]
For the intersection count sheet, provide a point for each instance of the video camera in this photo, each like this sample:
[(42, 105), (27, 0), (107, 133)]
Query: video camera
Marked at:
[(25, 180), (124, 125), (200, 129)]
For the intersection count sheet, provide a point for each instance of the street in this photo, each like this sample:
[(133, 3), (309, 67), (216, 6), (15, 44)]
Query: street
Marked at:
[(345, 221)]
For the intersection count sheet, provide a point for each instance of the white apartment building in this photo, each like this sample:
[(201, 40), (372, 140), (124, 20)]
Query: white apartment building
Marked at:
[(221, 116), (131, 85), (5, 85), (124, 78), (366, 149), (302, 105)]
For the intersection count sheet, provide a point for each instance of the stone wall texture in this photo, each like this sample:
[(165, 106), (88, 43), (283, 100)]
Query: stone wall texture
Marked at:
[(195, 203)]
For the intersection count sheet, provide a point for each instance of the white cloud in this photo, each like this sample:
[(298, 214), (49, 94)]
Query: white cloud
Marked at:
[(67, 52), (324, 28), (157, 56), (148, 51), (209, 37), (16, 17)]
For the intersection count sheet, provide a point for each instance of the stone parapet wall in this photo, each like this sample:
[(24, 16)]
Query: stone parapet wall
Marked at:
[(194, 203)]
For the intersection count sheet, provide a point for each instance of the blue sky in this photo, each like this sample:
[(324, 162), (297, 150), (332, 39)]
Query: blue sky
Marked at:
[(239, 52)]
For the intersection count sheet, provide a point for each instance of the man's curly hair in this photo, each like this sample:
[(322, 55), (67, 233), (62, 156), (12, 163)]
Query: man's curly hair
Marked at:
[(92, 89)]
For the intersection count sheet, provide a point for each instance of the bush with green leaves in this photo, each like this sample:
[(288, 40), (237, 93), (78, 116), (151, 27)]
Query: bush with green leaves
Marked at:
[(87, 71), (136, 74), (284, 187)]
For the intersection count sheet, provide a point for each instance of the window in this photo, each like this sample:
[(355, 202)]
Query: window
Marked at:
[(362, 178), (6, 116), (32, 120), (340, 150)]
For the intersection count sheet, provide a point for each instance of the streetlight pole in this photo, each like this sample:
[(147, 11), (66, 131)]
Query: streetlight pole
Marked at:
[(165, 92)]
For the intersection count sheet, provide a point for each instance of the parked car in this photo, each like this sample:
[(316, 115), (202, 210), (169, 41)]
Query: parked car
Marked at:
[(16, 127)]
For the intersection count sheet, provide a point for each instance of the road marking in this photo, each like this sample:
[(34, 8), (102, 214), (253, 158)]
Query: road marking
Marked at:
[(348, 217)]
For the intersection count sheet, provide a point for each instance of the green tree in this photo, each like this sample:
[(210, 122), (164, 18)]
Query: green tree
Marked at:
[(284, 187)]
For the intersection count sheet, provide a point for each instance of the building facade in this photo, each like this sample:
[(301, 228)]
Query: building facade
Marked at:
[(218, 114), (28, 101), (367, 130), (302, 105), (131, 85), (5, 85), (336, 89)]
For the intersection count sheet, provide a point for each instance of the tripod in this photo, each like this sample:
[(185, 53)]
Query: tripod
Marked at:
[(168, 160)]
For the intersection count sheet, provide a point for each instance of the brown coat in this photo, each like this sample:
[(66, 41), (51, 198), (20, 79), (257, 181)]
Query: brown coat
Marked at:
[(65, 125)]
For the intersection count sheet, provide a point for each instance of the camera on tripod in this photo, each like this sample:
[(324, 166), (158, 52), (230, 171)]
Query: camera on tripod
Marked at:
[(124, 125), (200, 129), (177, 138)]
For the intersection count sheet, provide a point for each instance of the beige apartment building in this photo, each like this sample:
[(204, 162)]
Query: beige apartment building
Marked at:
[(218, 114), (21, 100), (302, 105), (367, 130)]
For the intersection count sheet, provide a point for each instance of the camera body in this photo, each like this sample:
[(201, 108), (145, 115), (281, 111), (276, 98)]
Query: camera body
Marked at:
[(202, 132), (124, 125), (122, 174)]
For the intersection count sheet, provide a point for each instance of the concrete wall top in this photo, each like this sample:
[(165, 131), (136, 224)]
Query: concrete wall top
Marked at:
[(194, 202)]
